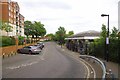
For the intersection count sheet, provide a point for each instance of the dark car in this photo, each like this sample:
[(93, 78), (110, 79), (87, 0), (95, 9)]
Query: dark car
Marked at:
[(41, 44), (30, 50)]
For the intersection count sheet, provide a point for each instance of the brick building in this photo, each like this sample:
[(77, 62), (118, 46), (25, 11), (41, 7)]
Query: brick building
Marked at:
[(10, 11)]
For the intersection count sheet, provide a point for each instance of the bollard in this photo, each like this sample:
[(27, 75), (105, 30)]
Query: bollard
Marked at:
[(3, 56), (12, 53), (111, 74), (8, 55)]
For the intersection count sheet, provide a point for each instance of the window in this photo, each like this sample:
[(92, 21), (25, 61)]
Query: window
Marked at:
[(9, 13), (27, 47), (9, 7)]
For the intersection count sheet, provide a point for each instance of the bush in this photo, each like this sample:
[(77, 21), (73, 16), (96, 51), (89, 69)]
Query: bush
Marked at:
[(21, 40), (98, 49), (7, 41)]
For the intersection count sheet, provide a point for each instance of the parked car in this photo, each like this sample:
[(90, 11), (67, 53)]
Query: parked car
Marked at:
[(30, 50), (41, 44)]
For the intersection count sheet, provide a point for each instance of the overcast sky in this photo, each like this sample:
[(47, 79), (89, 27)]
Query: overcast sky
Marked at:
[(76, 15)]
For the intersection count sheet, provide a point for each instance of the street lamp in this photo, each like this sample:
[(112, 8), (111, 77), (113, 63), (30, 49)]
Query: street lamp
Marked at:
[(107, 39)]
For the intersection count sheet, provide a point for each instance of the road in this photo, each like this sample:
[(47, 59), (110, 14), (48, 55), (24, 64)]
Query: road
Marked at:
[(50, 63)]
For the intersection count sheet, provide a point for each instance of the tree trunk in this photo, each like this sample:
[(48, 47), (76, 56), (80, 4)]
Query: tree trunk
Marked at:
[(7, 34), (32, 36)]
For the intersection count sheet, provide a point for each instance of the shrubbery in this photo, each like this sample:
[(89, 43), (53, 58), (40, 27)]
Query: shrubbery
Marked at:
[(7, 41), (98, 49), (21, 40), (99, 45)]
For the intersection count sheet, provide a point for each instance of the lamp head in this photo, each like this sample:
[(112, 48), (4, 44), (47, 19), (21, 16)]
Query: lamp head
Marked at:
[(104, 15)]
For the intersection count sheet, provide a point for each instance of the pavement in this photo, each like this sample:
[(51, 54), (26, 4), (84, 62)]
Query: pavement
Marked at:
[(112, 67)]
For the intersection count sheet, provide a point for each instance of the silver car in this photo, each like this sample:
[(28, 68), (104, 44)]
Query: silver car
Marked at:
[(41, 44), (29, 50)]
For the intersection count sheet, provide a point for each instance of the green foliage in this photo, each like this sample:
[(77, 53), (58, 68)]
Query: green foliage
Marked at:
[(21, 40), (50, 35), (39, 29), (104, 31), (5, 26), (114, 33), (70, 33), (28, 28), (34, 29), (98, 46), (60, 35), (7, 41)]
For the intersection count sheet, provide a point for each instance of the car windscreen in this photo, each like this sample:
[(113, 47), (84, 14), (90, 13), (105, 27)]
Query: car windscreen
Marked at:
[(27, 47)]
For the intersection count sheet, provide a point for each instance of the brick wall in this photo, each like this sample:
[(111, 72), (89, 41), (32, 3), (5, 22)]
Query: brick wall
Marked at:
[(11, 49)]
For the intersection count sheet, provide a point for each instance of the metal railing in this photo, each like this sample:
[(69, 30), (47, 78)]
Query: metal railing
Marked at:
[(99, 62)]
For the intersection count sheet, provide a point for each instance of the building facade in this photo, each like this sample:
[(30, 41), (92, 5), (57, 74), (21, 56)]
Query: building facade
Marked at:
[(11, 14), (21, 25)]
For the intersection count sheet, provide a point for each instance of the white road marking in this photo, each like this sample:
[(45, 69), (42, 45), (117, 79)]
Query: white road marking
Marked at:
[(22, 65), (42, 58), (88, 70), (81, 61), (63, 49), (93, 71)]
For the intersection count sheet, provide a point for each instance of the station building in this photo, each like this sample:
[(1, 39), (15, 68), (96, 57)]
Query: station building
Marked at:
[(80, 42)]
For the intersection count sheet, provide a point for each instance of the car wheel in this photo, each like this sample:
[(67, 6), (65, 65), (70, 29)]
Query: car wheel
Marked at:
[(30, 52), (18, 51), (41, 48), (37, 53)]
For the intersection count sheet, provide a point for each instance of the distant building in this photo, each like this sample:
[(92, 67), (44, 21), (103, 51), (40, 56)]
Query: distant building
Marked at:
[(80, 42), (11, 14), (119, 16), (86, 35)]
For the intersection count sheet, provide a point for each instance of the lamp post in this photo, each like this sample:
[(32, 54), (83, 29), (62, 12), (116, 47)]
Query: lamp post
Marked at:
[(107, 39)]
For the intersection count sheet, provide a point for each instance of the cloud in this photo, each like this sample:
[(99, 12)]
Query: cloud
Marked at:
[(76, 15), (55, 5), (48, 4)]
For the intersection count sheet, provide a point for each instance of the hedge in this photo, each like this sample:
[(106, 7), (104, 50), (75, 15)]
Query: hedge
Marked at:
[(7, 41)]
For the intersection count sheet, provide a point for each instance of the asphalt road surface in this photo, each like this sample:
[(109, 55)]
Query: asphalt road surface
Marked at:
[(50, 63)]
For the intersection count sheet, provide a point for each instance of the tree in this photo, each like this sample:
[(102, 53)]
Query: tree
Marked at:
[(39, 29), (114, 33), (34, 29), (6, 27), (70, 33), (50, 35), (98, 46), (29, 29), (60, 34), (104, 31)]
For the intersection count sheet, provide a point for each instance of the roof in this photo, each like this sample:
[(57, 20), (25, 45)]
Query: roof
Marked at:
[(90, 33)]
